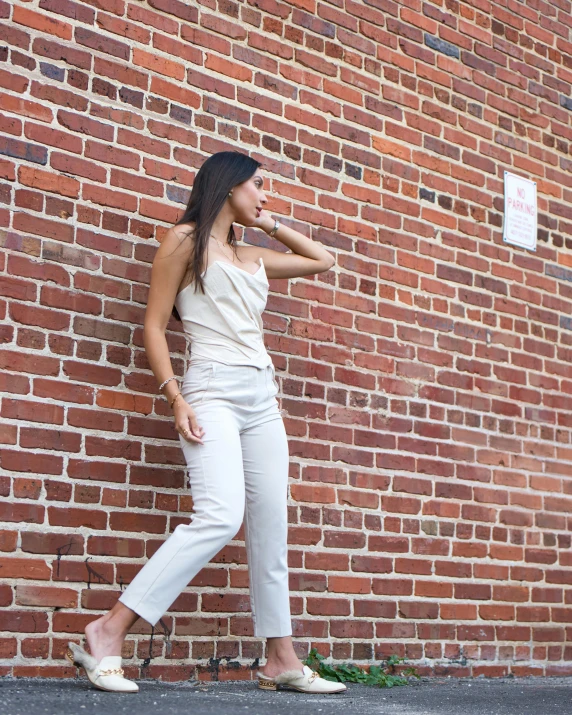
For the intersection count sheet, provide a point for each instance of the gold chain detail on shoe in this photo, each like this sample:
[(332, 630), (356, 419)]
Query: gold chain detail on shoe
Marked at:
[(313, 676), (112, 671)]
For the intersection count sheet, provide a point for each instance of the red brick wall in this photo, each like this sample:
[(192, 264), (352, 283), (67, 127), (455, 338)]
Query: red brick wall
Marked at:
[(426, 379)]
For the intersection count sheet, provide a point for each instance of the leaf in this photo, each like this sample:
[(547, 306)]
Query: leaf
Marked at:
[(349, 672)]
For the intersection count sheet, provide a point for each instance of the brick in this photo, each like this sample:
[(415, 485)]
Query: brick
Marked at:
[(6, 595), (84, 571), (8, 540), (346, 584), (113, 546), (475, 633), (71, 517), (13, 621), (40, 542), (344, 539), (388, 543), (371, 564), (36, 647), (18, 512), (95, 599), (71, 622), (352, 629), (46, 596), (24, 568), (152, 524), (8, 647), (421, 610)]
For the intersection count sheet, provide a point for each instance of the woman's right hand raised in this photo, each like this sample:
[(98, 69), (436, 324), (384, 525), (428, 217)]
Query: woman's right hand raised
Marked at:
[(186, 422)]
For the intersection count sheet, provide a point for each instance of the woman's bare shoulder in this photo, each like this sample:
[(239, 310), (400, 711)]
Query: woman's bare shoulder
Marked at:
[(184, 230), (178, 239)]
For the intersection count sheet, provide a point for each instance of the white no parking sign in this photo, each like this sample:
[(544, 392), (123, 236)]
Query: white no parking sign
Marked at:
[(520, 211)]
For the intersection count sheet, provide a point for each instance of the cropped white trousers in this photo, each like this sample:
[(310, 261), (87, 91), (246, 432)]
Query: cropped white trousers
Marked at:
[(239, 474)]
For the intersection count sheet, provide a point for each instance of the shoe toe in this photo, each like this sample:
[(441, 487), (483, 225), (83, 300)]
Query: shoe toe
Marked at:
[(110, 676), (118, 684), (316, 684)]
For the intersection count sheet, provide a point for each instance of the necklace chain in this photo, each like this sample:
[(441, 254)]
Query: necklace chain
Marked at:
[(221, 244)]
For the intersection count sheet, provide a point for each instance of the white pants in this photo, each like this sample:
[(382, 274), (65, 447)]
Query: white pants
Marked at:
[(239, 473)]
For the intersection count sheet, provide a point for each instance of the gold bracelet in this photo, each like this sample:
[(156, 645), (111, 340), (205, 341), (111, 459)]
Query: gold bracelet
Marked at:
[(174, 398)]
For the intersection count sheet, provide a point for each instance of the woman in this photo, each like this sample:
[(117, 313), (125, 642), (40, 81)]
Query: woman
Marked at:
[(230, 428)]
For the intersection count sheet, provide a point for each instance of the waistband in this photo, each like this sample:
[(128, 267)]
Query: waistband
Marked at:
[(217, 365)]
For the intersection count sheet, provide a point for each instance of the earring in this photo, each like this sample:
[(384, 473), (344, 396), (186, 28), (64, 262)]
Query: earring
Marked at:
[(230, 193)]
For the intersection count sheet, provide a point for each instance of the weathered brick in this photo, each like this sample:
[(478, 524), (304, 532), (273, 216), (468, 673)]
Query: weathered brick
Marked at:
[(14, 621), (24, 568), (46, 596)]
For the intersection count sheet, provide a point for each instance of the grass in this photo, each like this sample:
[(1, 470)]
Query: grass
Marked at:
[(383, 676)]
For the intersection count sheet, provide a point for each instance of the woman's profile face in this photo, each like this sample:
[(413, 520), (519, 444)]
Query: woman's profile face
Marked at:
[(247, 198)]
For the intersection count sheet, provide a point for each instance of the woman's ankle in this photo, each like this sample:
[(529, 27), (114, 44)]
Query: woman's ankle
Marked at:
[(286, 660), (104, 631), (114, 623)]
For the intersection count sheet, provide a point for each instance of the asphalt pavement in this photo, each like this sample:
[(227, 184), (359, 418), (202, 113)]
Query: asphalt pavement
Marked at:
[(428, 696)]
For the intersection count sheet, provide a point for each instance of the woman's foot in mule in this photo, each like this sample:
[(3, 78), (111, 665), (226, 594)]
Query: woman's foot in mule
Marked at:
[(305, 681), (283, 668), (105, 638), (106, 674)]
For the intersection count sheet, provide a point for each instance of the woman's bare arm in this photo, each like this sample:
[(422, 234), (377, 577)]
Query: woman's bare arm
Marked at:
[(169, 267), (307, 257)]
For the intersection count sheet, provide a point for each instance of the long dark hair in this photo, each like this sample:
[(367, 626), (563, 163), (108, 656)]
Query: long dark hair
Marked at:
[(218, 175)]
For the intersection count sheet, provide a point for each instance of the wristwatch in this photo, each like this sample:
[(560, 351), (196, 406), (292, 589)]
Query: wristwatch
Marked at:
[(276, 224)]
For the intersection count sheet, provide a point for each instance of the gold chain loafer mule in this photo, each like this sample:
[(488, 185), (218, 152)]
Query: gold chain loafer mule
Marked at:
[(105, 675), (306, 681)]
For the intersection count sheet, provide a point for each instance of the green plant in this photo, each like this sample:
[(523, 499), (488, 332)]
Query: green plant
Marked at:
[(382, 676)]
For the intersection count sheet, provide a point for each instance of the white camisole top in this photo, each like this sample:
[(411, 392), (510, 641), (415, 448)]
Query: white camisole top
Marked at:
[(225, 323)]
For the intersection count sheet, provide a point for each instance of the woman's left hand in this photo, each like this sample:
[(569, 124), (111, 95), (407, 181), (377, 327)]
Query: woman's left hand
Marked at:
[(264, 221)]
